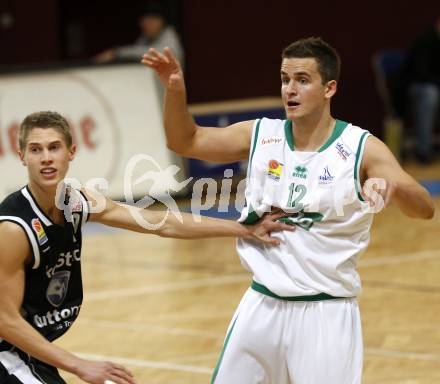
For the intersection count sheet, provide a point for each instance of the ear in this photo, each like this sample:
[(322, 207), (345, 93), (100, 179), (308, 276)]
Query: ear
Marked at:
[(72, 152), (21, 154), (330, 88)]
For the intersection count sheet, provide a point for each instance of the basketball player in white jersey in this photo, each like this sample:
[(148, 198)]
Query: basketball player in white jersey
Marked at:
[(40, 257), (299, 322)]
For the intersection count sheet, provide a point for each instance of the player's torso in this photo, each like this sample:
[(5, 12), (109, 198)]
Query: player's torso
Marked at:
[(321, 192), (53, 284)]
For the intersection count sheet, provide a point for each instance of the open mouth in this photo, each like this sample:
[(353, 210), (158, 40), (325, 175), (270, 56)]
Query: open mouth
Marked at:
[(292, 104), (48, 172)]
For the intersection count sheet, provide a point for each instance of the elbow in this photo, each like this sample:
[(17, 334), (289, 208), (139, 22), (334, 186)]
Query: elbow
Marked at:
[(177, 148), (171, 145), (430, 210), (430, 213)]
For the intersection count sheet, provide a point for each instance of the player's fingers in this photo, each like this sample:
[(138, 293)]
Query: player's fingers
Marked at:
[(149, 62), (155, 55), (169, 54), (123, 369), (114, 379), (162, 57), (121, 377), (272, 241), (281, 227), (277, 215), (122, 374)]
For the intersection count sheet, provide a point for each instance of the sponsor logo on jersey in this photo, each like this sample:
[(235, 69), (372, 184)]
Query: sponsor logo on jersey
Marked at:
[(275, 170), (265, 141), (326, 177), (39, 230), (300, 171), (57, 289), (64, 259), (343, 151), (56, 316)]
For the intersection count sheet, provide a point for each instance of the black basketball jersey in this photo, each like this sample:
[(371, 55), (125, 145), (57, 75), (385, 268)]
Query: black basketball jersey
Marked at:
[(53, 284)]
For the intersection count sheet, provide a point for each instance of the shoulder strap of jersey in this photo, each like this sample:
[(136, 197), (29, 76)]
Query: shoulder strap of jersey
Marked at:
[(31, 236), (356, 137), (254, 140)]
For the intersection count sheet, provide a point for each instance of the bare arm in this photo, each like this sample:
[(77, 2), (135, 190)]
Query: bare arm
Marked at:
[(184, 136), (412, 199), (15, 330), (184, 226)]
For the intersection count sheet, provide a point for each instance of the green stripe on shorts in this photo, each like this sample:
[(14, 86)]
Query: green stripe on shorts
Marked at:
[(214, 375), (320, 296)]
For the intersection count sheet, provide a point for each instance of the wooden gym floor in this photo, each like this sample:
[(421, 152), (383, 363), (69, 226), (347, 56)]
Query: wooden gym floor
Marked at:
[(162, 306)]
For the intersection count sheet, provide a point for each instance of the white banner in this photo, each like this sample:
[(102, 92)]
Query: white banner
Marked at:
[(114, 113)]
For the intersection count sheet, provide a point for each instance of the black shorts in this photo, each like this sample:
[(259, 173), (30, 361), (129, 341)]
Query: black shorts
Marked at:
[(17, 367)]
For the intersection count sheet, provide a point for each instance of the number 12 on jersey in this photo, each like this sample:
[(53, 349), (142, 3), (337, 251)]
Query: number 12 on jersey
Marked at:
[(296, 194)]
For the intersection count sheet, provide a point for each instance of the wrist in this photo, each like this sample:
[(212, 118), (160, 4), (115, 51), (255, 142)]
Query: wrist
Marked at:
[(73, 365), (244, 231)]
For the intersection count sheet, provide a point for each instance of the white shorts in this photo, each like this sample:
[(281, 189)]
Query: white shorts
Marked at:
[(273, 341)]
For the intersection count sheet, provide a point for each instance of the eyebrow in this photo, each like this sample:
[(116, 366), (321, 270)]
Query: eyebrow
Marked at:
[(302, 73), (38, 143)]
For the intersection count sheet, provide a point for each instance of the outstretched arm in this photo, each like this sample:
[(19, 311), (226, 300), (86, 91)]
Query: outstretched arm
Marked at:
[(15, 330), (379, 163), (187, 226), (184, 136)]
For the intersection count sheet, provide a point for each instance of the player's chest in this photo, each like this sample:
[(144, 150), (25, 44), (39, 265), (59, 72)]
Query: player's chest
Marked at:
[(313, 180)]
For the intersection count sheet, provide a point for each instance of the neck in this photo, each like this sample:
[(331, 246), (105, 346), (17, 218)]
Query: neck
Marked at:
[(46, 201), (312, 132)]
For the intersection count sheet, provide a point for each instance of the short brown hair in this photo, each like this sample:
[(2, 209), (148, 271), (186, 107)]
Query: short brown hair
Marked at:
[(44, 119), (329, 62)]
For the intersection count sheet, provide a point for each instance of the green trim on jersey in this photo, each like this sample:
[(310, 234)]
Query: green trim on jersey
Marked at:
[(337, 131), (319, 297), (254, 145), (357, 165), (217, 367), (252, 216), (289, 134)]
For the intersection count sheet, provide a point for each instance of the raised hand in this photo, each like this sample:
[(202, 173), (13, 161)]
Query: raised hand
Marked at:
[(96, 372), (166, 66)]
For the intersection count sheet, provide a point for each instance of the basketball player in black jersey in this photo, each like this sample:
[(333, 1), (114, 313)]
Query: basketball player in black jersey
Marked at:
[(40, 253)]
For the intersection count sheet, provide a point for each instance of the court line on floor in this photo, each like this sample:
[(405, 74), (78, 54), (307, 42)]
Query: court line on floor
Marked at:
[(141, 363), (194, 358), (148, 363)]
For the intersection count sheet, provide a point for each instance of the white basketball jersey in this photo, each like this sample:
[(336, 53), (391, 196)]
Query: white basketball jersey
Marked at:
[(321, 190)]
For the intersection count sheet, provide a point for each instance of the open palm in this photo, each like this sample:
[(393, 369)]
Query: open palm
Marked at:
[(166, 66)]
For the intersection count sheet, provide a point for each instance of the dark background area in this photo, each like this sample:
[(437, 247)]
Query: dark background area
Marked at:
[(232, 47)]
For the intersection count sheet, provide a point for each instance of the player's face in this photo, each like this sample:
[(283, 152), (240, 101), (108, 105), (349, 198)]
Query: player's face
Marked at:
[(47, 157), (302, 90)]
